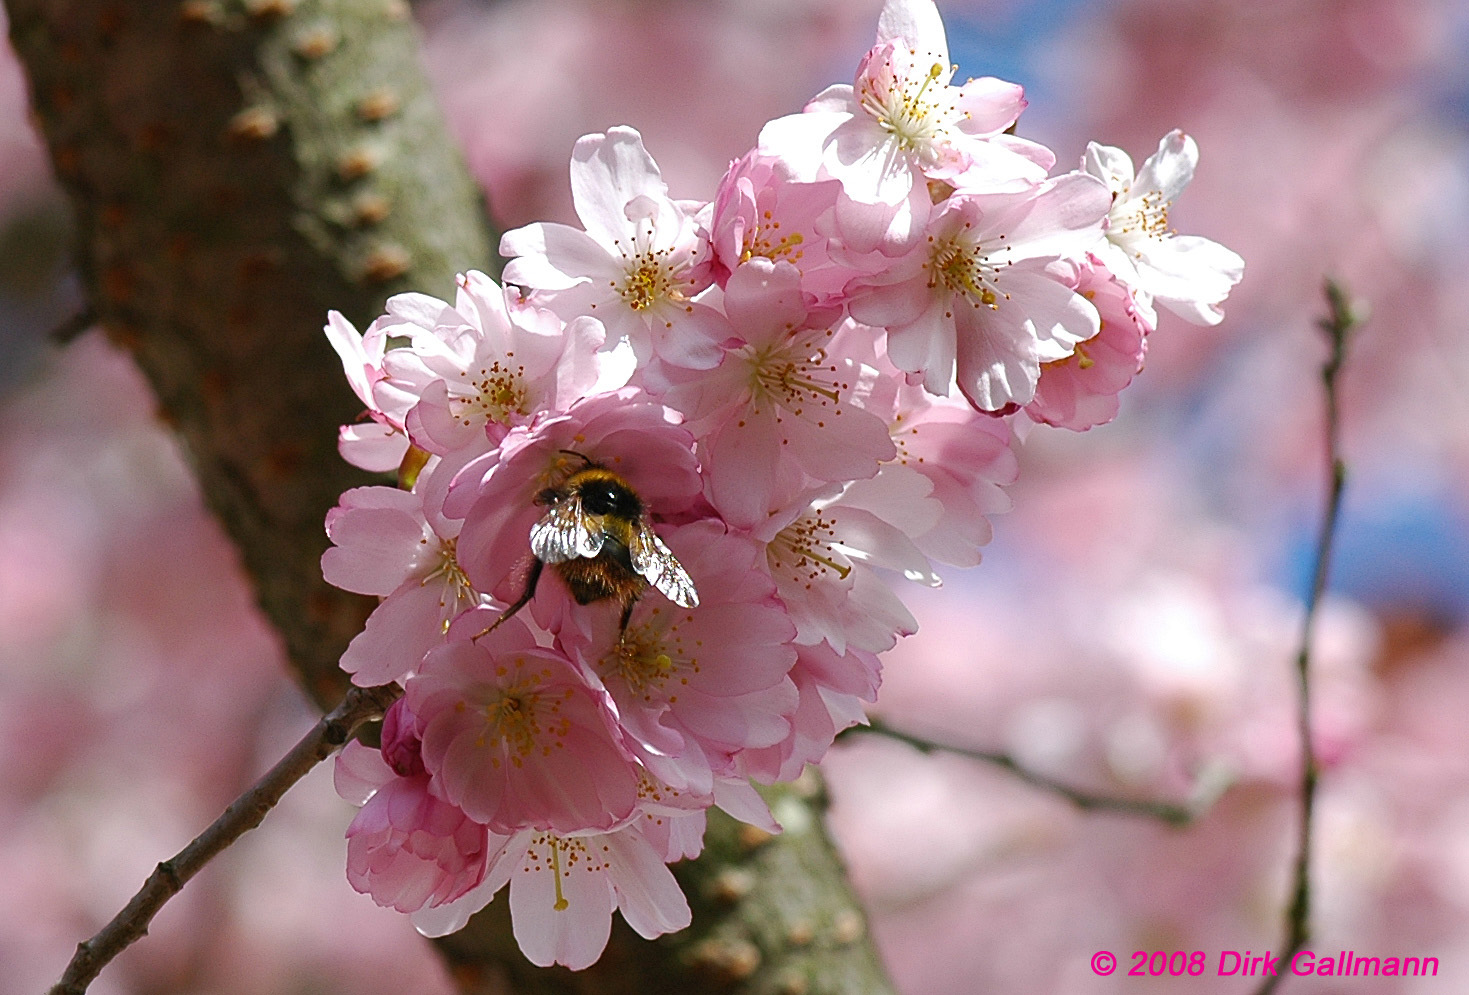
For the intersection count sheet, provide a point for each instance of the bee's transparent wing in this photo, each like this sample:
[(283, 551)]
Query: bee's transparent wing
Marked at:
[(657, 565), (564, 533)]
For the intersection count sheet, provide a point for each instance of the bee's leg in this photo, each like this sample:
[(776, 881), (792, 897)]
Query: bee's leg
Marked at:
[(532, 577)]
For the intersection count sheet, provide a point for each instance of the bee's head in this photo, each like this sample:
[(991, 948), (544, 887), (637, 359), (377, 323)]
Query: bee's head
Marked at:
[(603, 492)]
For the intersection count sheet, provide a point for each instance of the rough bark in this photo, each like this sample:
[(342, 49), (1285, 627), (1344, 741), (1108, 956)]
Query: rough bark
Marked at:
[(239, 167), (236, 171)]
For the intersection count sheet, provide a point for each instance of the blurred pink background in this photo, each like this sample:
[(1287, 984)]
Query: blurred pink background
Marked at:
[(1132, 629)]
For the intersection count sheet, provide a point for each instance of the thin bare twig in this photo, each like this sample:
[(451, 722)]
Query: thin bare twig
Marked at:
[(243, 814), (1173, 813), (1339, 321)]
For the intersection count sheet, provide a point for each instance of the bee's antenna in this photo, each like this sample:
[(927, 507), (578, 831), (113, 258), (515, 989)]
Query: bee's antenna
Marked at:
[(581, 456)]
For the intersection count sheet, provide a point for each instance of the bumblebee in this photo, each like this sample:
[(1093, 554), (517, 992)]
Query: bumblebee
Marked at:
[(597, 537)]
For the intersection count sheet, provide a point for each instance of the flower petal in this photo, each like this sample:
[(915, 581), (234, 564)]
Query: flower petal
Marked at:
[(649, 897), (1171, 168), (549, 256), (917, 23), (608, 171)]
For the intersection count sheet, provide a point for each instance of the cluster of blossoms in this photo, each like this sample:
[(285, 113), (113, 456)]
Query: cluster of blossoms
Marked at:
[(809, 384)]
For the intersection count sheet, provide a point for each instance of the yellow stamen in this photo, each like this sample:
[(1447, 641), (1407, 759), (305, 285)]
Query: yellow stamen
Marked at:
[(561, 902), (827, 561)]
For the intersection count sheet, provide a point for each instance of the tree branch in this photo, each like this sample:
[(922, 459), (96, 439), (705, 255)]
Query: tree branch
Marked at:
[(243, 814), (1173, 813), (1338, 323)]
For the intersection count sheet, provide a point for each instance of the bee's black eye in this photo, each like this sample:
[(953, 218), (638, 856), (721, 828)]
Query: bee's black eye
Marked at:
[(604, 497)]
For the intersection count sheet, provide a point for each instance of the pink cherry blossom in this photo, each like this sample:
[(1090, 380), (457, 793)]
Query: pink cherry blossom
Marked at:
[(407, 848), (1081, 390), (402, 740), (514, 737), (965, 460), (972, 462), (979, 298), (956, 462), (1188, 274), (488, 362), (694, 686), (386, 543), (778, 413), (833, 688), (638, 265), (378, 444), (821, 552), (760, 210)]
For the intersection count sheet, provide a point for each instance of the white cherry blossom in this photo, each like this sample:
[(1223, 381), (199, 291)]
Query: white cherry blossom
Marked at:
[(1187, 274)]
